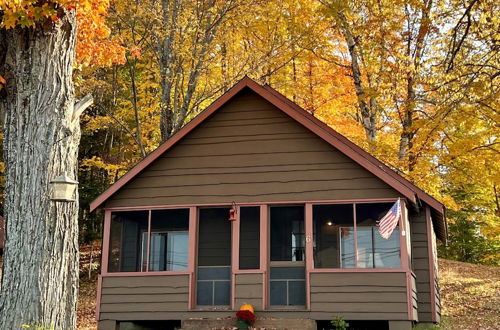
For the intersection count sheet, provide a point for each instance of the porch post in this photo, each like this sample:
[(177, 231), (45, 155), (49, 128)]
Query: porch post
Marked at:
[(105, 241), (148, 248), (264, 248), (309, 251), (192, 237), (405, 263), (404, 235), (235, 254)]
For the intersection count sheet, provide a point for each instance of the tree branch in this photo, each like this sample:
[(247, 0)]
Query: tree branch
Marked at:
[(456, 46), (81, 105)]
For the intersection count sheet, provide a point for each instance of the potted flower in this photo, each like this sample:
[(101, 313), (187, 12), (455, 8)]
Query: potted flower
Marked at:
[(245, 316)]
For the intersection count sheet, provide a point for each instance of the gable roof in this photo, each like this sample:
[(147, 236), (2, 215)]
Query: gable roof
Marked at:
[(337, 140)]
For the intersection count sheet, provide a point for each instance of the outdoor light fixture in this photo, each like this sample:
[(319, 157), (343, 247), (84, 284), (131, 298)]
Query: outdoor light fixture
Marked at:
[(329, 223), (232, 212), (63, 188)]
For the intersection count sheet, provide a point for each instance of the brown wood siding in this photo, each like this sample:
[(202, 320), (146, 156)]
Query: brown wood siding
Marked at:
[(420, 265), (248, 290), (414, 297), (137, 294), (438, 299), (363, 294), (250, 151), (291, 314)]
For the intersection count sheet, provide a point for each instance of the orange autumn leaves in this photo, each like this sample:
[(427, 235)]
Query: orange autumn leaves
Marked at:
[(95, 46)]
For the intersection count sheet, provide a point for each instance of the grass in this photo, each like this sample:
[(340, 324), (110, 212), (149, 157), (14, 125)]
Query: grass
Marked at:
[(470, 295)]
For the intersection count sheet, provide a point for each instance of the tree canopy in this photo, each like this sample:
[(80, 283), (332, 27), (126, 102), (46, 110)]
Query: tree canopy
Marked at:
[(416, 83)]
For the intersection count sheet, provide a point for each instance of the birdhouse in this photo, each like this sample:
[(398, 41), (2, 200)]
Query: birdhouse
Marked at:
[(63, 188)]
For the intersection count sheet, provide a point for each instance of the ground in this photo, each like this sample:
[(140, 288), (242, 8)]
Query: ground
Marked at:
[(470, 294), (88, 286)]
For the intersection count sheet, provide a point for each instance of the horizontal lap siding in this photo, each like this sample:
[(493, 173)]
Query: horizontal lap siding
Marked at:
[(135, 295), (360, 294), (292, 314), (248, 290), (438, 297), (420, 265), (249, 151), (414, 297)]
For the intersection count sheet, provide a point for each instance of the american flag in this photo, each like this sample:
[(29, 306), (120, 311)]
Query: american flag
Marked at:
[(387, 224)]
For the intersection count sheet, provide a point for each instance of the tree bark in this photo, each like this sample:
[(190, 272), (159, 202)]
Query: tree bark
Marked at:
[(416, 54), (138, 132), (368, 110), (40, 281)]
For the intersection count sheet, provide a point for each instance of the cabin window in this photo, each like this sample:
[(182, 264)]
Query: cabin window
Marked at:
[(168, 241), (250, 237), (128, 230), (340, 244)]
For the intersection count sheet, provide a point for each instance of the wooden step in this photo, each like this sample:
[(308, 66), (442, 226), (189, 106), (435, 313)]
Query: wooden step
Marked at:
[(260, 324)]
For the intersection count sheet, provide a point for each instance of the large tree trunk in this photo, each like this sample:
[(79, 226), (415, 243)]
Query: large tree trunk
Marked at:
[(40, 280), (408, 132), (368, 110)]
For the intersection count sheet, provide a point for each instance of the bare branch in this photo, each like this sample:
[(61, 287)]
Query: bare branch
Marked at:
[(82, 105), (456, 46)]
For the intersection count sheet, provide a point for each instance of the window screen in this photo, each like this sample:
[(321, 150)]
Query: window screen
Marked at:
[(374, 251), (169, 240), (214, 239), (214, 257), (287, 233), (249, 237), (127, 241), (334, 235), (287, 286)]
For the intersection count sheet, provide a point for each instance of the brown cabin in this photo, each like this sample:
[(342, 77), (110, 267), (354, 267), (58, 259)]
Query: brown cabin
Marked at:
[(257, 202)]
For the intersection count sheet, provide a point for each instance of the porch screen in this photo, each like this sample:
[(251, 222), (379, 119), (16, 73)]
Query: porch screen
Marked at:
[(287, 268), (374, 251), (287, 233), (250, 237), (169, 240), (214, 258), (340, 244), (126, 241), (334, 233)]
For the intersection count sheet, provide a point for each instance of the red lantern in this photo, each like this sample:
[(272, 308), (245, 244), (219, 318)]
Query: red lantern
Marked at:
[(232, 214)]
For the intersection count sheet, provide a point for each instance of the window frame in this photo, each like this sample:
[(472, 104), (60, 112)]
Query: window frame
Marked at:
[(192, 228)]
